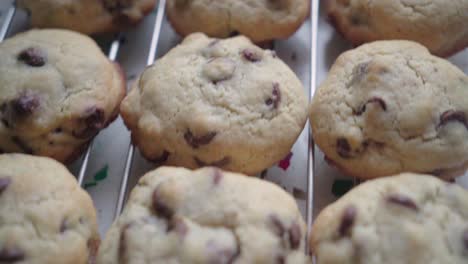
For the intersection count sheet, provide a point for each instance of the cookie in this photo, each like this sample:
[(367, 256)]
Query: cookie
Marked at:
[(175, 215), (57, 90), (389, 107), (210, 102), (404, 219), (440, 25), (45, 217), (87, 16), (261, 20)]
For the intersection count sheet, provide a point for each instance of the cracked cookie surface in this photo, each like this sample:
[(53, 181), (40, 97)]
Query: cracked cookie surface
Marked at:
[(403, 219), (175, 215), (57, 90), (260, 20), (45, 217), (389, 107), (86, 16), (209, 102), (440, 25)]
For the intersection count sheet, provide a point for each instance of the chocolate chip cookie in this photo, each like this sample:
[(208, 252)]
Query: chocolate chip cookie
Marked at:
[(211, 102), (440, 25), (175, 215), (404, 219), (87, 16), (260, 20), (57, 90), (389, 107), (45, 217)]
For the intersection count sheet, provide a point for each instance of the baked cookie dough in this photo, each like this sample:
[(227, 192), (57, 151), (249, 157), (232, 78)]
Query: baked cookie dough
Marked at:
[(209, 102), (260, 20), (175, 215), (87, 16), (389, 107), (57, 90), (45, 217), (403, 219), (440, 25)]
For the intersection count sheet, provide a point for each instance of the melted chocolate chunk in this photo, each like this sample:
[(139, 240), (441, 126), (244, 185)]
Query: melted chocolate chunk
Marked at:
[(347, 220), (295, 236), (234, 33), (22, 145), (196, 142), (358, 73), (160, 207), (276, 97), (219, 163), (251, 55), (33, 57), (403, 201), (453, 116), (161, 159), (25, 104), (373, 100), (93, 119), (278, 226), (63, 225), (4, 183), (11, 255), (343, 148), (280, 260)]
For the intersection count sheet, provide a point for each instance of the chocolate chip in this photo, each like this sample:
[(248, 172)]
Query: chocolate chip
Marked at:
[(234, 33), (403, 201), (343, 148), (251, 55), (93, 119), (465, 239), (33, 57), (25, 104), (218, 175), (63, 225), (280, 260), (278, 226), (295, 236), (178, 225), (219, 163), (276, 97), (160, 207), (58, 130), (453, 116), (161, 159), (196, 142), (22, 145), (11, 254), (347, 220), (4, 183), (377, 100)]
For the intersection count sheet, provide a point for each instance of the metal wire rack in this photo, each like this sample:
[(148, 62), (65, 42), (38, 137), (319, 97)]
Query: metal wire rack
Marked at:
[(112, 55)]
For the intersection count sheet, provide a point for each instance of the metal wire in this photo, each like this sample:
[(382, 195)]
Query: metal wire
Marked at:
[(114, 50), (314, 15), (131, 149), (6, 25)]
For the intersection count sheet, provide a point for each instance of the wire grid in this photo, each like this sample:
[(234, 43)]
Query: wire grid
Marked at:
[(112, 55)]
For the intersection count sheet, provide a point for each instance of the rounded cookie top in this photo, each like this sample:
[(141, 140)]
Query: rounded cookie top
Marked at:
[(57, 90), (403, 219), (260, 20), (224, 103), (45, 217), (86, 16), (440, 25), (389, 107), (175, 215)]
